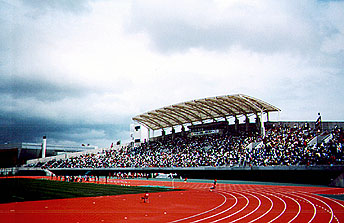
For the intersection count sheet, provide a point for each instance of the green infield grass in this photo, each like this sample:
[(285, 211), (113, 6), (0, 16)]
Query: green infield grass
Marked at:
[(334, 196), (21, 189)]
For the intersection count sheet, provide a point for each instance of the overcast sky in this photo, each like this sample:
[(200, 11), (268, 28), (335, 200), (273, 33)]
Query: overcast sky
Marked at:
[(77, 71)]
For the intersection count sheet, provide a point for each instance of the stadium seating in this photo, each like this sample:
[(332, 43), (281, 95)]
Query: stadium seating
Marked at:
[(282, 146)]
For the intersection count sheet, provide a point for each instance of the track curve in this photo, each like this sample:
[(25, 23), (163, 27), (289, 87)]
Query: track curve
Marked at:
[(237, 203)]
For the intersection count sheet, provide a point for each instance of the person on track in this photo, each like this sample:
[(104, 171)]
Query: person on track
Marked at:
[(145, 197), (214, 185)]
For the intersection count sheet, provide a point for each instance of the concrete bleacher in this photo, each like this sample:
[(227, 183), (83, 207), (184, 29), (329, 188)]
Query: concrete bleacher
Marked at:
[(254, 145), (319, 139), (69, 155)]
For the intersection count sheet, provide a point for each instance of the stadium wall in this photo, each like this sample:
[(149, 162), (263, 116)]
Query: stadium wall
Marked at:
[(316, 175)]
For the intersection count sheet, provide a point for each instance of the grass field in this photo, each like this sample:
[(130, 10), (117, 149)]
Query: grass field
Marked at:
[(20, 189)]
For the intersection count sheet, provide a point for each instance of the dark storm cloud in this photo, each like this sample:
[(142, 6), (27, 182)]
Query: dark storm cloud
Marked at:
[(15, 128), (39, 89), (76, 70)]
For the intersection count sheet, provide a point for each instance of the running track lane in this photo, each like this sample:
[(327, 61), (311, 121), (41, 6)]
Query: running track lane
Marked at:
[(298, 206), (228, 203)]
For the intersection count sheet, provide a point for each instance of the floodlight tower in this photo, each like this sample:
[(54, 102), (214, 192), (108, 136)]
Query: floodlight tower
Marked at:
[(44, 146)]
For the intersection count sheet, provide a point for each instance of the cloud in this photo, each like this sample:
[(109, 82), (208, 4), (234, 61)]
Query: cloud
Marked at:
[(265, 26), (288, 52), (25, 129), (71, 6), (77, 71), (39, 89)]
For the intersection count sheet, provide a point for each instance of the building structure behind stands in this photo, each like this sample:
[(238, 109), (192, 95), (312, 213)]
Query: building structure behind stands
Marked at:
[(14, 154)]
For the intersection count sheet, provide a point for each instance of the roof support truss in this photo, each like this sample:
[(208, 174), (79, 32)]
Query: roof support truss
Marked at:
[(203, 109)]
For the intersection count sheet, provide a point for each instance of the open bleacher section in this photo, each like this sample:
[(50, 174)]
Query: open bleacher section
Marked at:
[(282, 146)]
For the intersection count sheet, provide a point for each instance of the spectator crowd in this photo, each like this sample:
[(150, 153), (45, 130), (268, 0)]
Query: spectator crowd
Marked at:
[(286, 146)]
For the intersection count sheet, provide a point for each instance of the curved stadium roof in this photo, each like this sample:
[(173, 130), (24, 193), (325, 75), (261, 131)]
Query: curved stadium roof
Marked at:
[(203, 109)]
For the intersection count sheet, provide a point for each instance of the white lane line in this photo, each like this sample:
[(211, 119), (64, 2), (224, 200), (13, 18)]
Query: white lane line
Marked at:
[(182, 219), (333, 200), (314, 208), (285, 207), (298, 204), (271, 206), (299, 207), (214, 215), (259, 203), (247, 202), (313, 196)]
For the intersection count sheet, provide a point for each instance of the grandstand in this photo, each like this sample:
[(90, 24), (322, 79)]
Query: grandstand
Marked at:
[(208, 110), (210, 144)]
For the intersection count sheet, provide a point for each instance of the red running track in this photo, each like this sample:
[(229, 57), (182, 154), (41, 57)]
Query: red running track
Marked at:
[(227, 203)]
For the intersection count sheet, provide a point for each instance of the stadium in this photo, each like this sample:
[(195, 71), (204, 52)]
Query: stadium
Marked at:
[(217, 159)]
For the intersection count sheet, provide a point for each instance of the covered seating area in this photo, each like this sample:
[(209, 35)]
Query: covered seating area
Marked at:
[(207, 110)]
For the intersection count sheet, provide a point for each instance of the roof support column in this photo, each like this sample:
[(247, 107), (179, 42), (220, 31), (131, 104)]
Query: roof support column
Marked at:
[(258, 122), (247, 123), (236, 124), (163, 133), (173, 133), (262, 127), (183, 130)]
